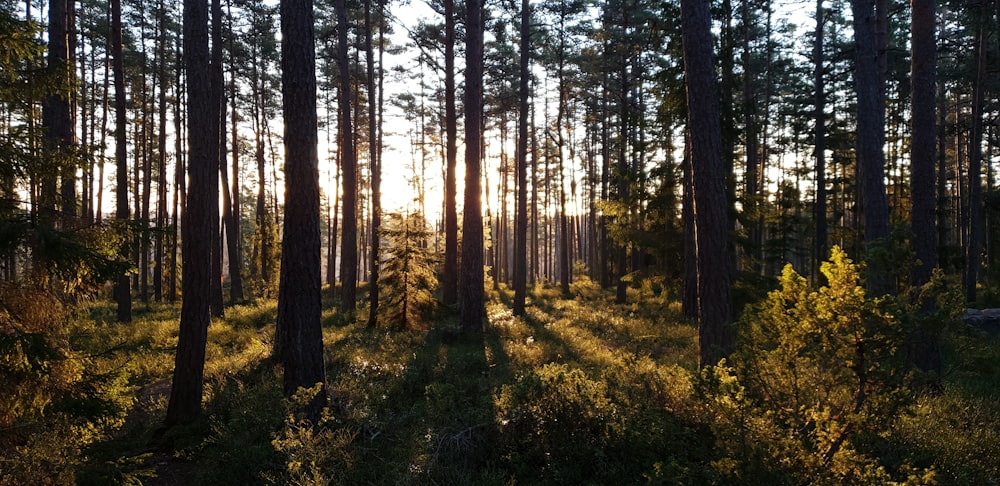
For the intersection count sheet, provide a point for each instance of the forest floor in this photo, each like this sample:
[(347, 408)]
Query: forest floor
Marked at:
[(580, 391)]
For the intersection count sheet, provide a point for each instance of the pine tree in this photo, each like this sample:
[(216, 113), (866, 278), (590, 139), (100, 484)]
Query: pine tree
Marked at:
[(409, 277)]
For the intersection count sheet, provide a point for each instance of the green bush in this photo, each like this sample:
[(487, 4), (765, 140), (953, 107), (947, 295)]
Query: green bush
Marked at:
[(817, 378)]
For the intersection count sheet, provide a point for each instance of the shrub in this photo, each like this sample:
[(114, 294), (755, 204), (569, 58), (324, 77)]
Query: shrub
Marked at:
[(817, 375), (314, 453)]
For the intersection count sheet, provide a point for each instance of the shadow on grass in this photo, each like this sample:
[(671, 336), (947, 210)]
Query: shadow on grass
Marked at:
[(432, 422)]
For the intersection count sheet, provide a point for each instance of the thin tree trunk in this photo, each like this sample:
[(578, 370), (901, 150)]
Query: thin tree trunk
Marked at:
[(449, 281), (973, 258), (819, 98), (349, 243), (473, 305), (218, 140), (123, 291), (521, 167), (374, 154)]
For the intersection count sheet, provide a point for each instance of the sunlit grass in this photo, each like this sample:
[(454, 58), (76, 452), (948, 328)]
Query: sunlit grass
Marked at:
[(580, 390)]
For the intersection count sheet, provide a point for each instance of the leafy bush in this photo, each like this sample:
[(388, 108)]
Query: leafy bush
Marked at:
[(54, 402), (559, 421), (315, 453), (818, 376)]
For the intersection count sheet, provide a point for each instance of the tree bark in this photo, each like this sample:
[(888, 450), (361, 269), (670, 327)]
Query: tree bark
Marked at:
[(349, 243), (123, 290), (923, 158), (300, 333), (819, 99), (473, 306), (449, 282), (973, 247), (709, 186), (374, 156), (189, 362), (869, 85), (521, 208), (218, 141)]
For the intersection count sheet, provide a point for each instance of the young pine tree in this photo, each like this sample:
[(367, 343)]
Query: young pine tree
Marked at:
[(408, 277)]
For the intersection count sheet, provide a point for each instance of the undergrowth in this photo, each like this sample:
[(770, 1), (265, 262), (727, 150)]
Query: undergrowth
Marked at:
[(580, 390)]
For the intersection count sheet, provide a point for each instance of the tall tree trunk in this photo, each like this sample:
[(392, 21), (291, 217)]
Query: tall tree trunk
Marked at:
[(374, 156), (300, 334), (161, 161), (689, 300), (973, 248), (218, 140), (473, 294), (521, 208), (870, 86), (180, 189), (621, 295), (189, 362), (57, 116), (564, 251), (123, 290), (923, 147), (819, 99), (349, 243), (709, 188), (449, 282)]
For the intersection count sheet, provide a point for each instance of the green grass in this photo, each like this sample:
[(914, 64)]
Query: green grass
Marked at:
[(578, 391)]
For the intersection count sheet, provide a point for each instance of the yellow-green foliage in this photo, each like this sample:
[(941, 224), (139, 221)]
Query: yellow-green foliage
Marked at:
[(408, 277), (315, 453), (55, 400), (816, 375)]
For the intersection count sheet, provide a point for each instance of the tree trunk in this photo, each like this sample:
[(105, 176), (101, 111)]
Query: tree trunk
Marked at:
[(189, 363), (819, 99), (973, 247), (473, 305), (299, 342), (923, 147), (349, 243), (218, 140), (521, 208), (449, 282), (57, 117), (709, 188), (123, 290), (374, 156), (161, 162), (869, 85)]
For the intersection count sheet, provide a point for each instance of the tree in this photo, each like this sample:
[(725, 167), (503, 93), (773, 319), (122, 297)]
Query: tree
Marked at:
[(450, 276), (409, 275), (819, 97), (973, 246), (923, 155), (349, 165), (473, 305), (189, 362), (374, 164), (56, 116), (123, 290), (521, 208), (217, 139), (708, 183), (231, 197), (299, 342), (869, 85)]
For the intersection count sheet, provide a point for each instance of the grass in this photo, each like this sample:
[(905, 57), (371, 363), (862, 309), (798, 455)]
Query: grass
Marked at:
[(578, 391)]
